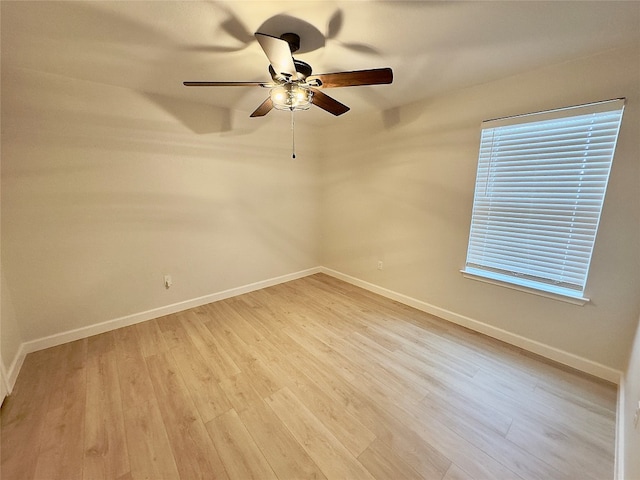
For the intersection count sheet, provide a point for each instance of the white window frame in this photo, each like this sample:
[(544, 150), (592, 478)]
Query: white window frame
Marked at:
[(540, 188)]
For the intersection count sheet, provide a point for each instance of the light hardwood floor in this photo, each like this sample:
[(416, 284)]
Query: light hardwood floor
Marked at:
[(314, 378)]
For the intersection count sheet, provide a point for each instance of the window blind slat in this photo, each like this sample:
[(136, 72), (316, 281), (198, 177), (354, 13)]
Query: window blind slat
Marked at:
[(570, 270), (523, 234), (541, 135), (530, 268)]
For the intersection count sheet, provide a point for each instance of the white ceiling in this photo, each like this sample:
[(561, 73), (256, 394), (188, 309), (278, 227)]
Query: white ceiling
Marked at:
[(433, 47)]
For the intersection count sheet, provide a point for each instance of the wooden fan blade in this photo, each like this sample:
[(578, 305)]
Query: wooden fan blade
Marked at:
[(226, 84), (327, 103), (376, 76), (279, 54), (264, 108)]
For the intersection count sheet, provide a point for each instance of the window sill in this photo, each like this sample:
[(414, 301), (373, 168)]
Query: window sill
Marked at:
[(521, 288)]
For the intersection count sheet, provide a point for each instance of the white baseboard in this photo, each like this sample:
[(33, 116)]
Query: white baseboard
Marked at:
[(574, 361), (84, 332), (560, 356), (11, 375), (4, 383)]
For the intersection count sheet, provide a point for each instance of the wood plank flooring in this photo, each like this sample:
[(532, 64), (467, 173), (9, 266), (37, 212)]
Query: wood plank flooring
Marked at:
[(311, 379)]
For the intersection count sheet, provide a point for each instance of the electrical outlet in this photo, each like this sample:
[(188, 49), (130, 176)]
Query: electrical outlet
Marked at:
[(379, 264), (167, 281)]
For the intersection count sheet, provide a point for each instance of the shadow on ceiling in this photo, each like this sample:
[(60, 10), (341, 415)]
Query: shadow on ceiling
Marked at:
[(311, 38)]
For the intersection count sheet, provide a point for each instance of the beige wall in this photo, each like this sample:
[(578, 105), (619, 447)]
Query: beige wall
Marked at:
[(105, 190), (399, 189)]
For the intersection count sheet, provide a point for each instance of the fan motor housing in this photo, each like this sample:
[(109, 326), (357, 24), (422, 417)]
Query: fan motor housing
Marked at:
[(303, 69)]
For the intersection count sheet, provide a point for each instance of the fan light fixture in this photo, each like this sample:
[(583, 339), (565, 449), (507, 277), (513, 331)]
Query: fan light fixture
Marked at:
[(291, 96)]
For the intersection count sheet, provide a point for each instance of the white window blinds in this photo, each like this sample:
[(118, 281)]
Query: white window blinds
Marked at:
[(540, 188)]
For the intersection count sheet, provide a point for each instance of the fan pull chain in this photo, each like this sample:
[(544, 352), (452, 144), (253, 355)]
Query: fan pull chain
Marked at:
[(293, 136)]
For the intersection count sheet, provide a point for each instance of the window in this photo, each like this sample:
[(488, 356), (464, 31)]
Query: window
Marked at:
[(539, 193)]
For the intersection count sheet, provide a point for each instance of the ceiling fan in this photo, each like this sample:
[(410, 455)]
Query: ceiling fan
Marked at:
[(294, 86)]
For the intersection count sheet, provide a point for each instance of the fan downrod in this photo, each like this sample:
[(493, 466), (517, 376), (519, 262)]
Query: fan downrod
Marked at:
[(293, 39)]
